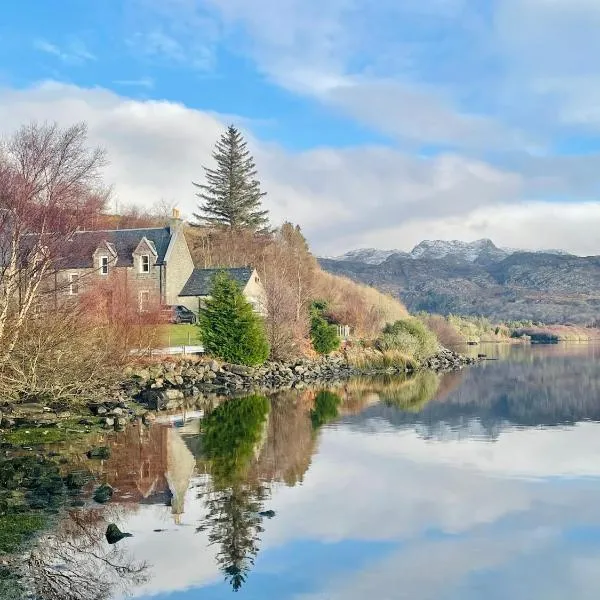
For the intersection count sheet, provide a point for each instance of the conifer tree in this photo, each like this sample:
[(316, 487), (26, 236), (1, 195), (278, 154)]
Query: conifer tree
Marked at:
[(230, 329), (231, 196)]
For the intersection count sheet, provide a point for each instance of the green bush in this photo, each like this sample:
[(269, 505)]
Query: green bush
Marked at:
[(324, 337), (409, 336), (230, 329)]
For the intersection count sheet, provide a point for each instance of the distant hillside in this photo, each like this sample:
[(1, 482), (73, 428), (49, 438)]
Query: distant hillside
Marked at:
[(481, 279)]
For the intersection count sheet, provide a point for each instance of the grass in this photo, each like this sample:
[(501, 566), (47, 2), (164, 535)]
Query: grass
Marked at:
[(182, 334), (17, 529), (371, 359), (34, 436)]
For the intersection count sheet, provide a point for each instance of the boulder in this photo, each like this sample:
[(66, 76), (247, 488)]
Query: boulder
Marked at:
[(148, 418), (154, 399), (114, 534), (103, 493)]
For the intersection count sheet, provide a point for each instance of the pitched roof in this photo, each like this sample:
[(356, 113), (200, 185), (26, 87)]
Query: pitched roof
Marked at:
[(78, 253), (200, 281)]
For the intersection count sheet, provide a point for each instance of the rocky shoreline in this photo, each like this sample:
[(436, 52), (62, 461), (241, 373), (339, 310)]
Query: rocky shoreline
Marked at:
[(171, 385), (164, 386)]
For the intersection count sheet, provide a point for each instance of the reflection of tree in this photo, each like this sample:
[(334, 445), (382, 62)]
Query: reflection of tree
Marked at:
[(325, 409), (413, 393), (76, 563), (290, 441), (232, 435), (233, 521)]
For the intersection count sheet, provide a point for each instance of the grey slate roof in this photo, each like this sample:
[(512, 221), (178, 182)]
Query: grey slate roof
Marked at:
[(78, 253), (200, 281)]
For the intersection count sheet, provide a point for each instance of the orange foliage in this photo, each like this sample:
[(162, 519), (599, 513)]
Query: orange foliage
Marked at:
[(292, 279)]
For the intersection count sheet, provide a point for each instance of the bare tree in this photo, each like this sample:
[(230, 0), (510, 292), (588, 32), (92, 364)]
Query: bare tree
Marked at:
[(45, 172)]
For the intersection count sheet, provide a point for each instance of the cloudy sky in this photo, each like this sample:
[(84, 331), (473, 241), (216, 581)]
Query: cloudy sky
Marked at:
[(372, 123)]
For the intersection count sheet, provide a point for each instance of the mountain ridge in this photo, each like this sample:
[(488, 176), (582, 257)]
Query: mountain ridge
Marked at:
[(478, 278), (440, 249)]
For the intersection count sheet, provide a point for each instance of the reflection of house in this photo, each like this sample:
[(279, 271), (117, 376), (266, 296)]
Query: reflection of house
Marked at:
[(149, 466)]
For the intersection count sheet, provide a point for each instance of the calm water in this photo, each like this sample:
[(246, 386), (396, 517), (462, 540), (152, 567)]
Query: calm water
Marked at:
[(478, 484)]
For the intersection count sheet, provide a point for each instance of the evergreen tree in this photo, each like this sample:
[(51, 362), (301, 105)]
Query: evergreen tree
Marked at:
[(324, 337), (231, 196), (231, 330)]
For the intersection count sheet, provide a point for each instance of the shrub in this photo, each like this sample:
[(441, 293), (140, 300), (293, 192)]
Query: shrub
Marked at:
[(409, 336), (230, 329), (324, 337)]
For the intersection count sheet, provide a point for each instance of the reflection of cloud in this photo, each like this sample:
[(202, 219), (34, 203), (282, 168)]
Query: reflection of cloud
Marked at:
[(179, 557), (456, 510)]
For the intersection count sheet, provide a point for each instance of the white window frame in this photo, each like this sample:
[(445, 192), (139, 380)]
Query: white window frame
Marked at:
[(145, 266), (73, 284), (144, 294), (104, 265)]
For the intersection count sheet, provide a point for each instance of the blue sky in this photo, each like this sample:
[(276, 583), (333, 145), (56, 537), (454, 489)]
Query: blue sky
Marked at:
[(373, 124)]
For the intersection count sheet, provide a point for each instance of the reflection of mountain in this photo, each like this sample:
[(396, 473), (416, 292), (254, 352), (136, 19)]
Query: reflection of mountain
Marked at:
[(541, 390)]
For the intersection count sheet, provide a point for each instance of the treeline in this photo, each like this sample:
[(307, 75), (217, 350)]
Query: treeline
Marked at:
[(453, 330)]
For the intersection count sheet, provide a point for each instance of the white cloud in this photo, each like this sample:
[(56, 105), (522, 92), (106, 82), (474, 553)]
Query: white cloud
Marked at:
[(342, 198)]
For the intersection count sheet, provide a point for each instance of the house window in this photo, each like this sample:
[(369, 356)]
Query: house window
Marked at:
[(145, 263), (144, 301), (104, 265), (73, 284)]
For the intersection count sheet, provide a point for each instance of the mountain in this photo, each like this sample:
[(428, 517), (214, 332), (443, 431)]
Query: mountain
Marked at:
[(478, 278), (369, 256), (469, 251)]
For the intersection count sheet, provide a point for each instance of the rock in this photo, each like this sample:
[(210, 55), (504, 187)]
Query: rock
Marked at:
[(148, 418), (214, 366), (154, 400), (120, 423), (103, 493), (114, 534), (174, 394), (101, 452), (76, 480), (116, 412), (269, 514)]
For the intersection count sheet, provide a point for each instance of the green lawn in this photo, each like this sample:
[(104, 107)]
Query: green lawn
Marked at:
[(180, 335)]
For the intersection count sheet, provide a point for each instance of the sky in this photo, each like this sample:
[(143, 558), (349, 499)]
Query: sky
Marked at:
[(373, 124)]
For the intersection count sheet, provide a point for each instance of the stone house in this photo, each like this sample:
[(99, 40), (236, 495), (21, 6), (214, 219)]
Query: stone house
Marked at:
[(154, 264), (197, 288)]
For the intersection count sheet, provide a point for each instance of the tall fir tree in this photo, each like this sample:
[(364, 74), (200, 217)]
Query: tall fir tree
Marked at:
[(231, 196), (230, 328)]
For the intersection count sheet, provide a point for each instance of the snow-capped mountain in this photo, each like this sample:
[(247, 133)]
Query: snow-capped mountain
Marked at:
[(369, 256), (469, 251), (483, 249)]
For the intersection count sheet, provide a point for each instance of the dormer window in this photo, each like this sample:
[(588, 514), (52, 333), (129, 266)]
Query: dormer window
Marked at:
[(144, 263), (104, 265)]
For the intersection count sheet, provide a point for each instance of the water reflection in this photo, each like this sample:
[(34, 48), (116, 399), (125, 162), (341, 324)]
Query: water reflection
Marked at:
[(75, 562), (481, 483), (231, 437)]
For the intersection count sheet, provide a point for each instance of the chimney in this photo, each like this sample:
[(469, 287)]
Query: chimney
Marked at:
[(175, 222)]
